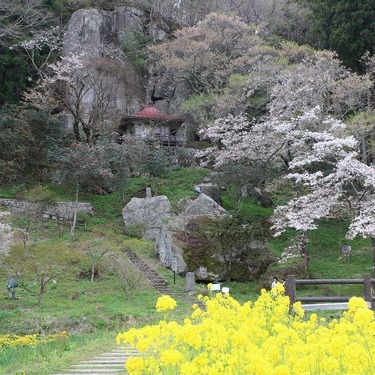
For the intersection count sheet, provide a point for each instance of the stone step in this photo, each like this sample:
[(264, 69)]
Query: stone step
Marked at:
[(99, 366), (96, 372), (108, 363)]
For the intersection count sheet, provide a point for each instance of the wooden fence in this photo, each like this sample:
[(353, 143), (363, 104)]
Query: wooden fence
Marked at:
[(325, 302), (64, 220)]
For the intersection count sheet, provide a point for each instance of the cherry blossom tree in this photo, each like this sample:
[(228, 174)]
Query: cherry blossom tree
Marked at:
[(203, 58), (311, 96), (42, 48), (346, 189), (82, 89), (304, 137), (17, 18)]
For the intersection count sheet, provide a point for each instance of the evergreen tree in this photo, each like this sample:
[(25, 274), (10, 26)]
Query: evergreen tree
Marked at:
[(13, 76), (345, 26)]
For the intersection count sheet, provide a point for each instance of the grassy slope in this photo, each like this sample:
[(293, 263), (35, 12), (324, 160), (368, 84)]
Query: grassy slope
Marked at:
[(95, 312)]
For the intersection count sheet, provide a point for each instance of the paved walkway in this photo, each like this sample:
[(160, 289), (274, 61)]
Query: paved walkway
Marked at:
[(109, 363)]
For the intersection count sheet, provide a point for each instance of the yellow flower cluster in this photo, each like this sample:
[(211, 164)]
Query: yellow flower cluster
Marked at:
[(15, 341), (165, 303), (259, 338)]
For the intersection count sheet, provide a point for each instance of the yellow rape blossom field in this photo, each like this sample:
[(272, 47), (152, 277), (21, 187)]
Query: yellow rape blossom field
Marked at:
[(15, 341), (261, 337)]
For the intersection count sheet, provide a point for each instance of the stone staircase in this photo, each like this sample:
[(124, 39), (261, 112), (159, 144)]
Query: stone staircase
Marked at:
[(109, 363), (158, 282)]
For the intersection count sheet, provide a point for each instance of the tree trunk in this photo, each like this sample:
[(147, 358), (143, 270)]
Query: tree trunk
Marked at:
[(41, 291), (373, 255), (72, 230), (303, 249), (88, 134), (92, 272), (76, 131)]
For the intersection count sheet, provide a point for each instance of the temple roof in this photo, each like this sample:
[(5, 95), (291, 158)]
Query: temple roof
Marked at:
[(150, 113)]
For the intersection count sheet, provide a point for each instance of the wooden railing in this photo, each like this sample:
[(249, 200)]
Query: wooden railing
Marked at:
[(64, 220), (328, 302)]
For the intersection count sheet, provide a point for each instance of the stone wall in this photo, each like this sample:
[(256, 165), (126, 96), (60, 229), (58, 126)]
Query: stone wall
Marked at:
[(61, 209), (6, 232)]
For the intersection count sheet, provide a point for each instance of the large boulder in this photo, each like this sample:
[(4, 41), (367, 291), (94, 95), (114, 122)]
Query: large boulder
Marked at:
[(212, 190), (149, 212), (180, 245), (204, 205), (169, 246)]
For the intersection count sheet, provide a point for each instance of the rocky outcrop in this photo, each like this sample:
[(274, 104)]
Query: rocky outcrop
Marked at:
[(181, 245), (168, 251), (99, 33), (149, 212), (169, 242)]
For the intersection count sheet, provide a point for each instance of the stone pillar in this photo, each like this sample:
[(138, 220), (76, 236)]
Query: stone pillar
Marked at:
[(190, 282), (148, 192)]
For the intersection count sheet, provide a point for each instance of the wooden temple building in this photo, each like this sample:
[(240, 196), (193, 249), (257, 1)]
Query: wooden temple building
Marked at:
[(154, 126)]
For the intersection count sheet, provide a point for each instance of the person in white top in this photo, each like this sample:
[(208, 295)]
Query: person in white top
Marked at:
[(274, 282)]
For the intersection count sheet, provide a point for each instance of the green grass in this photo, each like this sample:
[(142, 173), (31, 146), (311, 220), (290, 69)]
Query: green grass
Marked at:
[(53, 357), (326, 260)]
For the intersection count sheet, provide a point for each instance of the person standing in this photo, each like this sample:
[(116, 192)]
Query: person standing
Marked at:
[(275, 281)]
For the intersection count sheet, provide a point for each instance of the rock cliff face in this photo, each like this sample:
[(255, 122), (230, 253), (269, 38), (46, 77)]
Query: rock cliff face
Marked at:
[(99, 33)]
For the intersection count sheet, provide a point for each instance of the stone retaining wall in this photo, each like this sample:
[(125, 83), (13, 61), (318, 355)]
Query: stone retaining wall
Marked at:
[(61, 209)]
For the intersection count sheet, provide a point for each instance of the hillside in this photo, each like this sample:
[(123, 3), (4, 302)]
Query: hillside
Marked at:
[(100, 309)]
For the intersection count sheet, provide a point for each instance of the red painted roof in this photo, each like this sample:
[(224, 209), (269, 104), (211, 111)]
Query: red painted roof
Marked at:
[(153, 113)]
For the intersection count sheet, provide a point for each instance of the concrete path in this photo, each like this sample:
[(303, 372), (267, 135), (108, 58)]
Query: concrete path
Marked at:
[(109, 363)]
